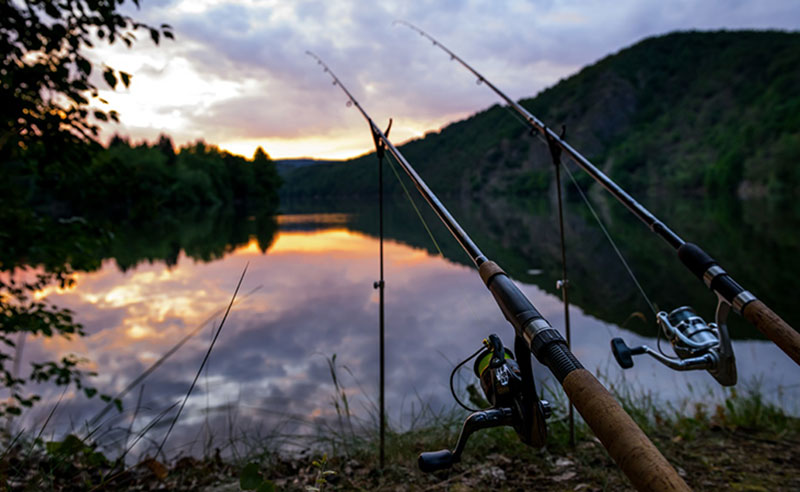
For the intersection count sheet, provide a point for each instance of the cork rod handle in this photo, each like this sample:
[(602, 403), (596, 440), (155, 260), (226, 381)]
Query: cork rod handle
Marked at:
[(774, 327), (630, 448)]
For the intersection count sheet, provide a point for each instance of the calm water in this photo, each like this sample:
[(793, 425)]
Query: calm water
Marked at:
[(310, 296)]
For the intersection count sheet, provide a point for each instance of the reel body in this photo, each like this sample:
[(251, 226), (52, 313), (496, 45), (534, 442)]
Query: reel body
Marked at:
[(697, 344), (508, 386)]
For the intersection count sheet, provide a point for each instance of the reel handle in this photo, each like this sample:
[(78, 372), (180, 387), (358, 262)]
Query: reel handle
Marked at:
[(623, 353), (439, 460), (431, 461)]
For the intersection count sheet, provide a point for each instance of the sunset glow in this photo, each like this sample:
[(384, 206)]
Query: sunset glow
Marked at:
[(236, 74)]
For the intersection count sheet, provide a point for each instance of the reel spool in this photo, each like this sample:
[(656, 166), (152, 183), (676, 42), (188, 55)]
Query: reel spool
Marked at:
[(500, 377), (509, 387), (697, 344)]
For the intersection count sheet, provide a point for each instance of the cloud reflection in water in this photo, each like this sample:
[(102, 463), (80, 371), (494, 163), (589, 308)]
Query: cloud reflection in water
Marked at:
[(316, 299)]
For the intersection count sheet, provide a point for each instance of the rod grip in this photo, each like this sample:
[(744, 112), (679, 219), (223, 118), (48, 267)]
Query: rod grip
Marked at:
[(630, 448), (774, 327)]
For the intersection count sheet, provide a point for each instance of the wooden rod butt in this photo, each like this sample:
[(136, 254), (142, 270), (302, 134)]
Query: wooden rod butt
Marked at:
[(775, 328), (630, 448)]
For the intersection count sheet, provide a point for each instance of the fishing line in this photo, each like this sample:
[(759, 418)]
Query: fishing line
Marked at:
[(414, 205), (436, 244), (452, 375), (610, 239)]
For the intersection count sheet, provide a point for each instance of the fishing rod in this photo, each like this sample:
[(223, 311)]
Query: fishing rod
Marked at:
[(730, 295), (510, 386)]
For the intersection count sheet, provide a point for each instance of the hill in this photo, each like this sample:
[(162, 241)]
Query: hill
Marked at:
[(684, 112)]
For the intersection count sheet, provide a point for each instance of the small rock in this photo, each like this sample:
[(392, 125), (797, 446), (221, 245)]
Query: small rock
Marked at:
[(562, 462), (493, 473), (499, 458), (564, 476)]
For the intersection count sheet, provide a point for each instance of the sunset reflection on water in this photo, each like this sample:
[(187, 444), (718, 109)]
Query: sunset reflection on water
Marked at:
[(311, 296)]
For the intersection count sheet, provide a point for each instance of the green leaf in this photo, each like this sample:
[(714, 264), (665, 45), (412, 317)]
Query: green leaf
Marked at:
[(250, 478), (90, 392), (266, 486), (111, 79)]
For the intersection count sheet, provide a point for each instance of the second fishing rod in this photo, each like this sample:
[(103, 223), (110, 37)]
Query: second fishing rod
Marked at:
[(630, 448), (730, 294)]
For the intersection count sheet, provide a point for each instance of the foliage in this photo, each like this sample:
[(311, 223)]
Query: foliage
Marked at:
[(321, 466), (48, 129), (54, 175), (250, 479), (135, 182), (686, 112), (46, 88)]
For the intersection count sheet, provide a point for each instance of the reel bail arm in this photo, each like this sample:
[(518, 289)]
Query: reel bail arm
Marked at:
[(698, 345)]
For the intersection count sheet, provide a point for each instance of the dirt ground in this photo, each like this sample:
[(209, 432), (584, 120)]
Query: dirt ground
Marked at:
[(716, 459), (713, 459)]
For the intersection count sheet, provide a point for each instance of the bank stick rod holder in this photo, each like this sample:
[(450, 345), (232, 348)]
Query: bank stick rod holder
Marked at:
[(697, 344)]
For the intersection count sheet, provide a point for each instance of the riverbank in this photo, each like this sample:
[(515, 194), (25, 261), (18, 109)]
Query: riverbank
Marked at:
[(741, 444)]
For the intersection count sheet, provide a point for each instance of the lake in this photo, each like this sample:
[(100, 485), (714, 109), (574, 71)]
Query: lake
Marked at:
[(308, 297)]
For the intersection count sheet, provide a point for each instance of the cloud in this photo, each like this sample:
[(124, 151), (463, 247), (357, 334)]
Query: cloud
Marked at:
[(237, 72)]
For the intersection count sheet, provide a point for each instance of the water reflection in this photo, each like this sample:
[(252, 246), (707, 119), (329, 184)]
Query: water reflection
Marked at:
[(314, 299)]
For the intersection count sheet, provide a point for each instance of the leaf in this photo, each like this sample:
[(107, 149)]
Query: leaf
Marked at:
[(158, 469), (111, 79), (101, 116), (52, 11), (250, 478), (52, 447), (154, 35), (71, 445), (84, 66), (126, 79), (266, 486), (90, 392), (168, 34)]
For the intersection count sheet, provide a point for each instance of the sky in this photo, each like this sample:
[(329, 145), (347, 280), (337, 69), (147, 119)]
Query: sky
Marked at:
[(237, 75)]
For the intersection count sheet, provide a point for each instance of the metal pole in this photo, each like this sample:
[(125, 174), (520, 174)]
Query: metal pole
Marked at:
[(381, 285), (564, 285)]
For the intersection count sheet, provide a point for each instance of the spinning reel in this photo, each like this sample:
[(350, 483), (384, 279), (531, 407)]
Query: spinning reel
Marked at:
[(698, 345), (510, 389)]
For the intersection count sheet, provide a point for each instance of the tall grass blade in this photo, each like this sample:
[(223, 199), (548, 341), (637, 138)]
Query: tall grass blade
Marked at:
[(205, 359), (163, 359)]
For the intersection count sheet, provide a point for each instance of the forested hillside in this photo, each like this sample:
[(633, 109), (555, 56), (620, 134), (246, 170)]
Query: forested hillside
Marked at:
[(688, 112)]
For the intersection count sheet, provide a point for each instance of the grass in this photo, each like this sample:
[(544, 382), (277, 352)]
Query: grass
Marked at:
[(701, 440)]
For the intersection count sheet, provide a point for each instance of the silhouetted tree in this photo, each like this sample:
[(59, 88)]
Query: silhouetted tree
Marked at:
[(266, 178), (165, 146), (48, 136)]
